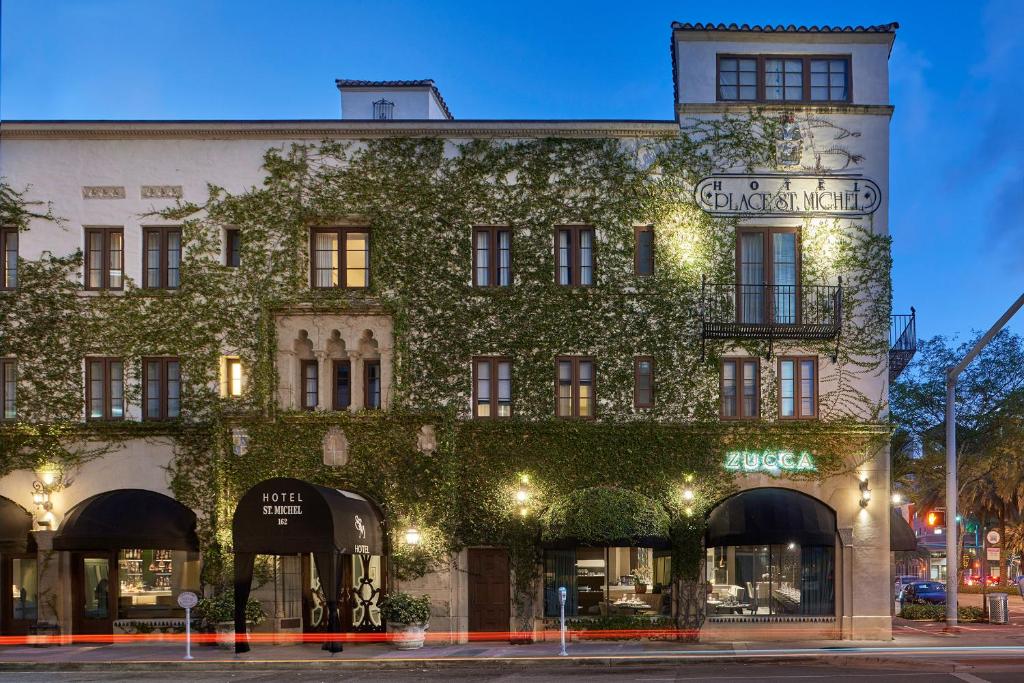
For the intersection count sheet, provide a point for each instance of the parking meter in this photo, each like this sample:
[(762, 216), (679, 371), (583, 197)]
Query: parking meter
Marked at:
[(561, 605)]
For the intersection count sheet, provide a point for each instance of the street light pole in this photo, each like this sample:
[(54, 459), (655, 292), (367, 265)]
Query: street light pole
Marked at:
[(952, 556)]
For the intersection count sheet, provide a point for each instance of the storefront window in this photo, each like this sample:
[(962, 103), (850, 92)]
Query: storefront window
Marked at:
[(603, 582), (150, 581), (25, 588), (771, 579)]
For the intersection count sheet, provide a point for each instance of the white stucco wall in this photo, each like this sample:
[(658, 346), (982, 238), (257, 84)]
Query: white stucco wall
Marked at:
[(410, 102)]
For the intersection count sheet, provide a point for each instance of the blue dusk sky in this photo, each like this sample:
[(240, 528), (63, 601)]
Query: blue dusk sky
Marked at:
[(957, 186)]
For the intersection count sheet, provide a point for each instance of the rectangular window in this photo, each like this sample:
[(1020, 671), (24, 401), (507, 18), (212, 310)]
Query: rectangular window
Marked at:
[(371, 384), (784, 78), (8, 388), (233, 377), (492, 257), (161, 258), (798, 387), (232, 247), (104, 258), (768, 269), (342, 395), (310, 384), (161, 385), (492, 387), (574, 256), (643, 250), (341, 258), (8, 258), (740, 388), (643, 382), (574, 387), (104, 388)]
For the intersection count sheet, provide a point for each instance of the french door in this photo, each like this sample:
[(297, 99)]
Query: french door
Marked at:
[(768, 270)]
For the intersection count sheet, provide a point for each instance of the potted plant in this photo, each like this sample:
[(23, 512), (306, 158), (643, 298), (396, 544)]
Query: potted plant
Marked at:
[(407, 618), (217, 615), (641, 578)]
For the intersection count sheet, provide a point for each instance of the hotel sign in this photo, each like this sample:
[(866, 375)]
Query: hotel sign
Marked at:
[(784, 195), (772, 462)]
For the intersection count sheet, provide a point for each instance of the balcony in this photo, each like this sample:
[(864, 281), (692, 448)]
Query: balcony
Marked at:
[(770, 312), (902, 342)]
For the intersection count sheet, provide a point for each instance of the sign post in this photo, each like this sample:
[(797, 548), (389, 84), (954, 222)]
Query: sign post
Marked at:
[(188, 600), (561, 605)]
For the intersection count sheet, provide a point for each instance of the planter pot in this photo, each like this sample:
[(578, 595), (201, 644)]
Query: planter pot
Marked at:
[(408, 636), (640, 587)]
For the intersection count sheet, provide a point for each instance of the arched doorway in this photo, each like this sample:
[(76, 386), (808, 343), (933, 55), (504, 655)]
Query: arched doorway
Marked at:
[(771, 553)]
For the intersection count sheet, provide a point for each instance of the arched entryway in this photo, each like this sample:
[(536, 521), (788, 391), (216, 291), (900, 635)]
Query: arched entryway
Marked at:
[(771, 554), (19, 571)]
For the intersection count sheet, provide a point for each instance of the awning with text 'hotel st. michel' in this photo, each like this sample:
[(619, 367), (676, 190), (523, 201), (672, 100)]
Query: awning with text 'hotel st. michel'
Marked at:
[(285, 516)]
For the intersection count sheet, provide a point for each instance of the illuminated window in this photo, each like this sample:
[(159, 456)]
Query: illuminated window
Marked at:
[(233, 377), (492, 387), (341, 258), (575, 387)]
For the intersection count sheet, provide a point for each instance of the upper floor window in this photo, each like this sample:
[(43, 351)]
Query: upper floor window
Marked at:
[(492, 387), (8, 258), (8, 388), (798, 387), (104, 388), (784, 78), (574, 387), (161, 258), (371, 384), (104, 258), (341, 257), (492, 257), (233, 379), (342, 394), (310, 384), (232, 247), (383, 110), (574, 256), (740, 388), (161, 386), (643, 382), (768, 269), (643, 250)]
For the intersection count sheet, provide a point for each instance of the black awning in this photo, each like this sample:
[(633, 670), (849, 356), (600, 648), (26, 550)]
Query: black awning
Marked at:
[(128, 518), (15, 525), (901, 534), (284, 516), (771, 516)]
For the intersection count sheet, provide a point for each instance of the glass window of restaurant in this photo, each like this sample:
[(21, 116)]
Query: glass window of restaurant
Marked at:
[(149, 581), (776, 579), (601, 582)]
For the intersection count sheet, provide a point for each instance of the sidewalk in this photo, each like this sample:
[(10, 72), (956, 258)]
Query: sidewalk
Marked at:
[(915, 644)]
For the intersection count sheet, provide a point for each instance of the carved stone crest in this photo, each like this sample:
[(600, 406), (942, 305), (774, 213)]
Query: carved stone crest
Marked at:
[(789, 144), (426, 440), (335, 445), (239, 441)]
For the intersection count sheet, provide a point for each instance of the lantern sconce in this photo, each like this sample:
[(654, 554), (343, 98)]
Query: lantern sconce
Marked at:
[(523, 495), (865, 492), (412, 536), (897, 498)]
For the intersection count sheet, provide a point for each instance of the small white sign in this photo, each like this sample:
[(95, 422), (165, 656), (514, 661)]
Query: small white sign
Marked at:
[(992, 553), (993, 537), (187, 600)]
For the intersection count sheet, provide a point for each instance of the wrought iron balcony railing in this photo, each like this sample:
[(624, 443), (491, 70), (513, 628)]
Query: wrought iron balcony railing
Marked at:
[(902, 342), (742, 311)]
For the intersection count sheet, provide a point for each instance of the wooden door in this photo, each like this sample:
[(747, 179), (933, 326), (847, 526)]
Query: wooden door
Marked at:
[(489, 590), (94, 591)]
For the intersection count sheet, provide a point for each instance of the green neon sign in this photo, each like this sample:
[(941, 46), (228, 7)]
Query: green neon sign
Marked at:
[(769, 461)]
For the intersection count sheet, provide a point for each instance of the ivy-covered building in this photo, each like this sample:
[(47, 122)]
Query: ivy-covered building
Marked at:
[(646, 361)]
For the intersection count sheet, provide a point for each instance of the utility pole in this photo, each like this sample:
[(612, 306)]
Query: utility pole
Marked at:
[(952, 556)]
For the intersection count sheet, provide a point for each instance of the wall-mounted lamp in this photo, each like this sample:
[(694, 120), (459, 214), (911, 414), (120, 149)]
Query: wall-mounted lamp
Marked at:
[(865, 492), (688, 494), (412, 536), (791, 546), (897, 498)]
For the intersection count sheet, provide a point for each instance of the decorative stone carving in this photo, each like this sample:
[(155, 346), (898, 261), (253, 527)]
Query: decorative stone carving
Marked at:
[(426, 440), (335, 445), (162, 192), (789, 146), (103, 192), (239, 441)]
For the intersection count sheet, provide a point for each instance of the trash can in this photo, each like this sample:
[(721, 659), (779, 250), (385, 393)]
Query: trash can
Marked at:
[(998, 609)]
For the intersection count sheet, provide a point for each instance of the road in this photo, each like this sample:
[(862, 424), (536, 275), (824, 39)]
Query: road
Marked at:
[(719, 673)]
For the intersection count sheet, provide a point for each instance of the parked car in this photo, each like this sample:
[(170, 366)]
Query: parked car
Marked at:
[(906, 579), (923, 593)]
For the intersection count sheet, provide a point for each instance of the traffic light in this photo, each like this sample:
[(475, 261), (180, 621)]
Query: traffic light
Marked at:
[(935, 518)]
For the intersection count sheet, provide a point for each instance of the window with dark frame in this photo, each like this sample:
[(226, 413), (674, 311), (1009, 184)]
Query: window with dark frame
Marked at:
[(232, 247), (340, 258), (798, 387), (740, 389), (371, 384), (161, 258), (643, 250), (8, 389), (492, 387), (574, 256), (310, 384), (342, 393), (768, 270), (8, 258), (492, 257), (104, 388), (784, 78), (643, 382), (104, 258), (574, 387), (161, 388)]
